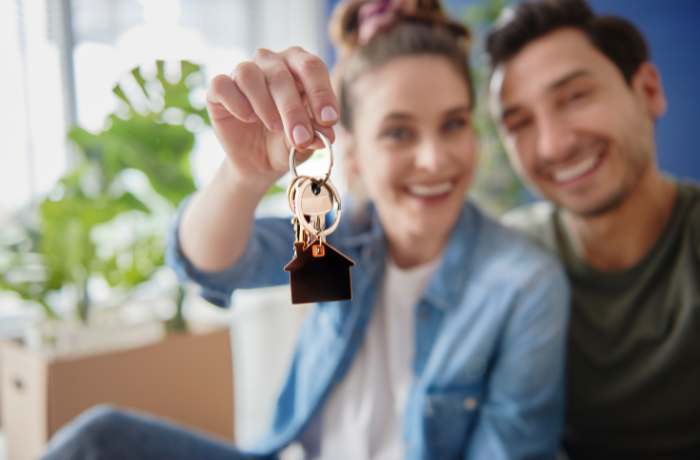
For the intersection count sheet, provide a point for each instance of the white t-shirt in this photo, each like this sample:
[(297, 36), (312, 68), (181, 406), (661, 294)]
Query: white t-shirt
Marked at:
[(363, 415)]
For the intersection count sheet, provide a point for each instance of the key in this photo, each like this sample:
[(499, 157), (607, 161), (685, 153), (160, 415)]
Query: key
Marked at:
[(318, 272), (316, 199)]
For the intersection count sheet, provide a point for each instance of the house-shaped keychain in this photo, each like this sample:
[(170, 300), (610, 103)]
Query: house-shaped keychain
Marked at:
[(319, 273)]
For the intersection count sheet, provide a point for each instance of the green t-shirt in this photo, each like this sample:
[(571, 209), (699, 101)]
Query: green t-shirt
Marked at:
[(634, 341)]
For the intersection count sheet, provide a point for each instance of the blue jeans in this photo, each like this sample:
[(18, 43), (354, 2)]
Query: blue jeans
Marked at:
[(105, 433)]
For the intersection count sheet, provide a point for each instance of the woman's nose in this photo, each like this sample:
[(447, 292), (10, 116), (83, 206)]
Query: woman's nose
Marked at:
[(430, 156)]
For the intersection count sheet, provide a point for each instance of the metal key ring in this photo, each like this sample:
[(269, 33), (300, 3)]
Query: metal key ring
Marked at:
[(326, 144), (300, 212)]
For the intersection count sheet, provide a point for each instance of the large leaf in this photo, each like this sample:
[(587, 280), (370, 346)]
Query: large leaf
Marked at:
[(67, 247), (136, 263), (159, 150), (176, 94)]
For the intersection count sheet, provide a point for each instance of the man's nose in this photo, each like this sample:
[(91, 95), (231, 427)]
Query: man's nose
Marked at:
[(555, 139)]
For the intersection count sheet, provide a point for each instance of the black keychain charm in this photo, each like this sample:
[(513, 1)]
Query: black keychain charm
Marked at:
[(318, 271)]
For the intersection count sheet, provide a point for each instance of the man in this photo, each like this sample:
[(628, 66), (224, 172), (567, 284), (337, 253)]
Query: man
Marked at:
[(577, 99)]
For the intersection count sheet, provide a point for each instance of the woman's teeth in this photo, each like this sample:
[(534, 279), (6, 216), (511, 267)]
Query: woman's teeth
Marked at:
[(427, 191), (574, 172)]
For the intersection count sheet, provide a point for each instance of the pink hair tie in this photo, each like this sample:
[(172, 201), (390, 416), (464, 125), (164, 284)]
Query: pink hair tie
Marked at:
[(376, 16)]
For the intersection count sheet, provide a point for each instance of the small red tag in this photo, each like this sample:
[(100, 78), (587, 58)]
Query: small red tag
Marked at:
[(318, 250)]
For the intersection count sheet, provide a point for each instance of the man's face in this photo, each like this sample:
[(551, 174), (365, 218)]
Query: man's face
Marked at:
[(574, 129)]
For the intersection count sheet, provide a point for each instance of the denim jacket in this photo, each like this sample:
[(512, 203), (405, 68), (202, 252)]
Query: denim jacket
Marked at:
[(489, 337)]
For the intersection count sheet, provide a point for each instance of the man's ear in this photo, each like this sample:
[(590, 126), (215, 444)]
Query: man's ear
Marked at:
[(646, 82)]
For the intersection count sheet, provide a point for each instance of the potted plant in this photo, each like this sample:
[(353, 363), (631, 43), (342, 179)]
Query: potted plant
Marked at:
[(496, 188), (93, 244), (106, 218)]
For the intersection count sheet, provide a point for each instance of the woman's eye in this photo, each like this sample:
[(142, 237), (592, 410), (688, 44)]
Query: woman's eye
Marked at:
[(397, 134), (455, 124)]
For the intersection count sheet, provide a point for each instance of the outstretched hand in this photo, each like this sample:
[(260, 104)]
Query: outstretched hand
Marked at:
[(268, 104)]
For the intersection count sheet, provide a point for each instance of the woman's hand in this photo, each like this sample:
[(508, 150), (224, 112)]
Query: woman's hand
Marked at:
[(268, 104)]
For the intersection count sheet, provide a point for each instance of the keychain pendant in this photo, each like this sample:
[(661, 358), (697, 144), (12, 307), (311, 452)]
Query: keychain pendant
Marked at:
[(318, 272)]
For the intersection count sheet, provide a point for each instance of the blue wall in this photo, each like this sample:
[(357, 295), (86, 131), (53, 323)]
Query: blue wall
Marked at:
[(673, 32), (672, 29)]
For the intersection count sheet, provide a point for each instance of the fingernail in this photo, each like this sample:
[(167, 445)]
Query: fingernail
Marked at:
[(300, 134), (329, 114)]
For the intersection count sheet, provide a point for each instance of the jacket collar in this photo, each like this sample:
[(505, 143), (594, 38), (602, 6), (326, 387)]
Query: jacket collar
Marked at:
[(363, 227), (447, 285), (365, 232)]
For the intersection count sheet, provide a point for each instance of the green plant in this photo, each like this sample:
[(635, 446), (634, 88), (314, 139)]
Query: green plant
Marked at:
[(102, 219), (496, 186)]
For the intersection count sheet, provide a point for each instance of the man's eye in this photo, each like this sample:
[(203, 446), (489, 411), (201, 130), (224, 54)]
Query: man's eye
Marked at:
[(518, 125), (576, 96)]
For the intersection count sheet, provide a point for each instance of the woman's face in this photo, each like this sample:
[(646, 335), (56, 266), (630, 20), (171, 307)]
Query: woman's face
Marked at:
[(413, 144)]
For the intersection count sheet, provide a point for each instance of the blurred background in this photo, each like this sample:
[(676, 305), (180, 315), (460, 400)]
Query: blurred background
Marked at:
[(104, 132)]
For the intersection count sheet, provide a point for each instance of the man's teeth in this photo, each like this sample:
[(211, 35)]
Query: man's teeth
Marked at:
[(430, 190), (577, 170)]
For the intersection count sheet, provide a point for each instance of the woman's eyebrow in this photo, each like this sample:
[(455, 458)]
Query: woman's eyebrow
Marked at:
[(399, 116)]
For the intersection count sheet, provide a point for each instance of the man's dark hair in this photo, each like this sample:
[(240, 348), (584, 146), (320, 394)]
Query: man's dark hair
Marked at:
[(616, 38)]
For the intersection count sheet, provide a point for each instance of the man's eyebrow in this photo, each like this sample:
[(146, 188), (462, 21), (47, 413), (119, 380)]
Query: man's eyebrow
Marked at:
[(556, 84), (562, 81)]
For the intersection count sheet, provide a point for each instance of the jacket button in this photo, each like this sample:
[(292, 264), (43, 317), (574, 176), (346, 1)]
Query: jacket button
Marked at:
[(470, 404)]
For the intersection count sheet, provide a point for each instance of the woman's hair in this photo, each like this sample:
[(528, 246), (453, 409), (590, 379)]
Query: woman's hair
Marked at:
[(370, 33)]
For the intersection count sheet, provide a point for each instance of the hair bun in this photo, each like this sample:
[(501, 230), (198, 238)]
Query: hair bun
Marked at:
[(355, 22)]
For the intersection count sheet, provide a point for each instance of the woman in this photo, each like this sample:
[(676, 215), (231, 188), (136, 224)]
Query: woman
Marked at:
[(452, 345)]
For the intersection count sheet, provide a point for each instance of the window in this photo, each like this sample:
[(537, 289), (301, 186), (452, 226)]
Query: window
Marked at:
[(44, 92), (32, 120), (61, 59)]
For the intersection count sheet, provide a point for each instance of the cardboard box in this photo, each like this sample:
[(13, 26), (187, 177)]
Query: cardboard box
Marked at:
[(185, 378), (13, 320)]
